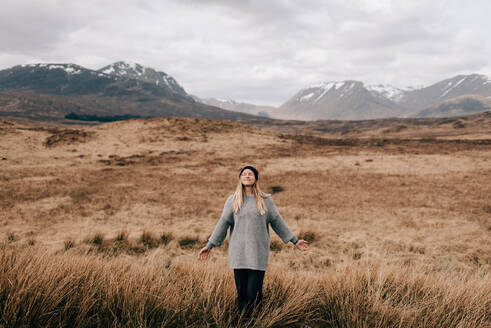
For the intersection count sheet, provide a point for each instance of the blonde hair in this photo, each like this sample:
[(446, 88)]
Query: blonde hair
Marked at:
[(238, 199)]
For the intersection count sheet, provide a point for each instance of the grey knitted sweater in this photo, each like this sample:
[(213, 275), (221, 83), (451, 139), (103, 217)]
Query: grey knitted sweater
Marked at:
[(249, 233)]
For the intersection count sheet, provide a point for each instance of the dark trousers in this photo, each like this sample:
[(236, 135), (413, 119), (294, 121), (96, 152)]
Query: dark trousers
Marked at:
[(249, 284)]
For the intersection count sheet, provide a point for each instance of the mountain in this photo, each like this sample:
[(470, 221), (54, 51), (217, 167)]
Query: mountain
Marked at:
[(435, 94), (387, 91), (54, 91), (142, 73), (55, 79), (353, 100), (345, 100), (122, 90), (242, 107)]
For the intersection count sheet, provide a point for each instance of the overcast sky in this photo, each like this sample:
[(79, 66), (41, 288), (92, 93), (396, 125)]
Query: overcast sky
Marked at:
[(257, 51)]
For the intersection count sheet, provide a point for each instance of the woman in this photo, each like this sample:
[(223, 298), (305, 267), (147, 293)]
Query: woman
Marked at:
[(249, 212)]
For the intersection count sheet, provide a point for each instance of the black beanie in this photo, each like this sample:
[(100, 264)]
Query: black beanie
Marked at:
[(253, 169)]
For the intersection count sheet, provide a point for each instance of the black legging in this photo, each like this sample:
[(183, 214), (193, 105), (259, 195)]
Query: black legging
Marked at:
[(249, 285)]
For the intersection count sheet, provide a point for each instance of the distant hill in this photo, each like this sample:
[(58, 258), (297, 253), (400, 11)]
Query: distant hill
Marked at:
[(470, 126), (228, 104), (53, 91), (463, 105)]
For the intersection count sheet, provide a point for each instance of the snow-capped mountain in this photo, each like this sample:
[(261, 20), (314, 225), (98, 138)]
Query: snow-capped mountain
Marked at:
[(67, 68), (387, 91), (68, 91), (54, 78), (315, 93), (136, 71), (458, 86), (339, 100), (353, 100), (130, 88)]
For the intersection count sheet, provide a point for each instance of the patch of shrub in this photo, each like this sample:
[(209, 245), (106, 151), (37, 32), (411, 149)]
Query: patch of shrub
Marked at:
[(308, 235), (326, 261), (100, 118), (166, 238), (96, 239), (81, 195), (122, 236), (149, 240), (69, 243), (395, 129), (67, 137), (188, 242), (11, 237), (420, 249), (459, 125), (275, 189), (275, 246)]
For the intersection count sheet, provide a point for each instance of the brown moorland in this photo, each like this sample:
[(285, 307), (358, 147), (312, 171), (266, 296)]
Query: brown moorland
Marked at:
[(101, 224)]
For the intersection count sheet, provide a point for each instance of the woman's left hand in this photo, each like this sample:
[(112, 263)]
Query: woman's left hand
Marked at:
[(302, 245)]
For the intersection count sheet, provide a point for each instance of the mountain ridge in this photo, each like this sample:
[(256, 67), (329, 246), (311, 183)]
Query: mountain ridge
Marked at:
[(50, 91), (128, 88), (243, 107), (351, 99), (143, 73)]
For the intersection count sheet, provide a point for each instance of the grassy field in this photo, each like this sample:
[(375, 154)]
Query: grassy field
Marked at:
[(101, 226)]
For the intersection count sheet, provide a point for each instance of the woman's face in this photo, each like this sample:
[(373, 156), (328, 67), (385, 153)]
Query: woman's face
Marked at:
[(247, 177)]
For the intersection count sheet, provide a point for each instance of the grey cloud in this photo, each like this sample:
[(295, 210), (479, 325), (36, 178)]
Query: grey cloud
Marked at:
[(252, 50), (30, 27), (34, 27)]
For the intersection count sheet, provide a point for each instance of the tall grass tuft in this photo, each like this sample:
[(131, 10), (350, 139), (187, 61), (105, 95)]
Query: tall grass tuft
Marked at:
[(121, 236), (68, 243), (11, 237), (38, 289), (166, 237), (96, 239), (149, 240), (188, 242)]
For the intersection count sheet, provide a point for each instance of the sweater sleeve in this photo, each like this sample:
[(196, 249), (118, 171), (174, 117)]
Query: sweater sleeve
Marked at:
[(278, 224), (220, 231)]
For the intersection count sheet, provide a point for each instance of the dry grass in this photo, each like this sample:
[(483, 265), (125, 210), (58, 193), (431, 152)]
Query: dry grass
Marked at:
[(399, 230), (42, 290)]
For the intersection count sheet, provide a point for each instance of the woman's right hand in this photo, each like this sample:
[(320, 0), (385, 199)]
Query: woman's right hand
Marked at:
[(203, 253)]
